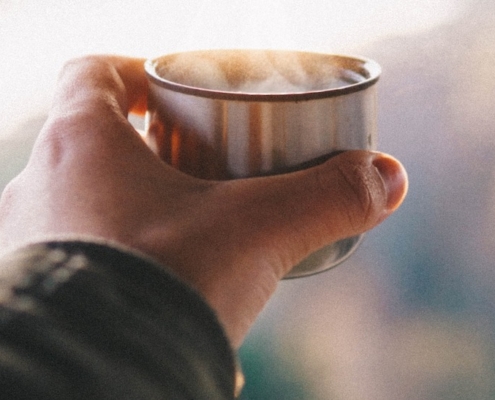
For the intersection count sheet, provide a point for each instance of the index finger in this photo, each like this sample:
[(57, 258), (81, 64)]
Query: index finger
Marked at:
[(100, 79), (88, 117)]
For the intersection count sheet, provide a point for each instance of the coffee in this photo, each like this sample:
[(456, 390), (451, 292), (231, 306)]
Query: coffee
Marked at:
[(257, 72)]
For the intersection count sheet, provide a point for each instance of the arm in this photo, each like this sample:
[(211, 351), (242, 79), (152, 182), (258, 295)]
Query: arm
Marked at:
[(92, 321)]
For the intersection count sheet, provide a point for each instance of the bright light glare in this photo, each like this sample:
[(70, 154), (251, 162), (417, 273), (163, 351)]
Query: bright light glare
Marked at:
[(38, 36)]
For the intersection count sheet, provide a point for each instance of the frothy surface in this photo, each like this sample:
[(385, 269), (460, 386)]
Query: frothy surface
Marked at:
[(260, 71)]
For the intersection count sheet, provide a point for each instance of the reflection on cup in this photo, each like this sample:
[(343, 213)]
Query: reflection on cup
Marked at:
[(227, 114)]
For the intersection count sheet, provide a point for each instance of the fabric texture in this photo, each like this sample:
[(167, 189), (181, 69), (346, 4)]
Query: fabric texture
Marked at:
[(83, 320)]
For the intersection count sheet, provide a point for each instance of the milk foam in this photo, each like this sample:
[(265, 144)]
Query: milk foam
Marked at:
[(256, 71)]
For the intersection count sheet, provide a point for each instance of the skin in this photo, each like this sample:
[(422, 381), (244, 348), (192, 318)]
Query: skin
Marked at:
[(90, 174)]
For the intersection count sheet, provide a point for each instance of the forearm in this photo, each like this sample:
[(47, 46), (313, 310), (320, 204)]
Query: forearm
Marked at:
[(82, 320)]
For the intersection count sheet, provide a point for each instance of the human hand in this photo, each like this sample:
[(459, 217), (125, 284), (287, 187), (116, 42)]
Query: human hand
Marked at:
[(91, 174)]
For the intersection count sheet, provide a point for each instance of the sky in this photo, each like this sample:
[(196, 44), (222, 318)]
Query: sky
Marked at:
[(37, 37)]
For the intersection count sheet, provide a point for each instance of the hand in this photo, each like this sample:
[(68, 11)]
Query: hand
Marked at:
[(91, 174)]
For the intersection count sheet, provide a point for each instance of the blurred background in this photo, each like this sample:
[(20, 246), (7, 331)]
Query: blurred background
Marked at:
[(411, 315)]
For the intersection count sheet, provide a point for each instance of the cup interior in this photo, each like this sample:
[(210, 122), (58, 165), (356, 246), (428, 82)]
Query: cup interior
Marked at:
[(261, 71)]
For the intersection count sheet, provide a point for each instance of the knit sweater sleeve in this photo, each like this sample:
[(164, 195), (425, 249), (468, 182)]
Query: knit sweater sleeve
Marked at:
[(82, 320)]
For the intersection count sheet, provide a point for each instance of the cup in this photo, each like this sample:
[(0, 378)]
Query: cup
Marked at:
[(229, 114)]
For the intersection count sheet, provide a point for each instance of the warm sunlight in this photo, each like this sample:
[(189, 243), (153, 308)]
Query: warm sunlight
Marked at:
[(37, 37), (410, 315)]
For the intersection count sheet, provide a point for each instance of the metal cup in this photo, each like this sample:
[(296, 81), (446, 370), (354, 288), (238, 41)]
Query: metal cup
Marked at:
[(227, 114)]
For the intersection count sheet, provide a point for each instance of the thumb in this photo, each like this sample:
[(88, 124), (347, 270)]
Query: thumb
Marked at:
[(257, 229), (306, 210)]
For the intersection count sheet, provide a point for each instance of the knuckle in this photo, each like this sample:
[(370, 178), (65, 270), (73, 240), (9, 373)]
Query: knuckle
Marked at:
[(358, 193), (90, 59), (98, 71)]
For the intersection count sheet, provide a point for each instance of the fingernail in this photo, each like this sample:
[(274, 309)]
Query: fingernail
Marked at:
[(394, 177)]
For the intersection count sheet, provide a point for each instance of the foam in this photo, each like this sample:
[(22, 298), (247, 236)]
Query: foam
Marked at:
[(257, 71)]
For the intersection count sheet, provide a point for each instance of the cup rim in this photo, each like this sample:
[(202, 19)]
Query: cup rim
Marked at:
[(369, 69)]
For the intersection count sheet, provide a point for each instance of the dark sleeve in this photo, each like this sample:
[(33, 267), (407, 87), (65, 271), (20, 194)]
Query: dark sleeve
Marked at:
[(88, 321)]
